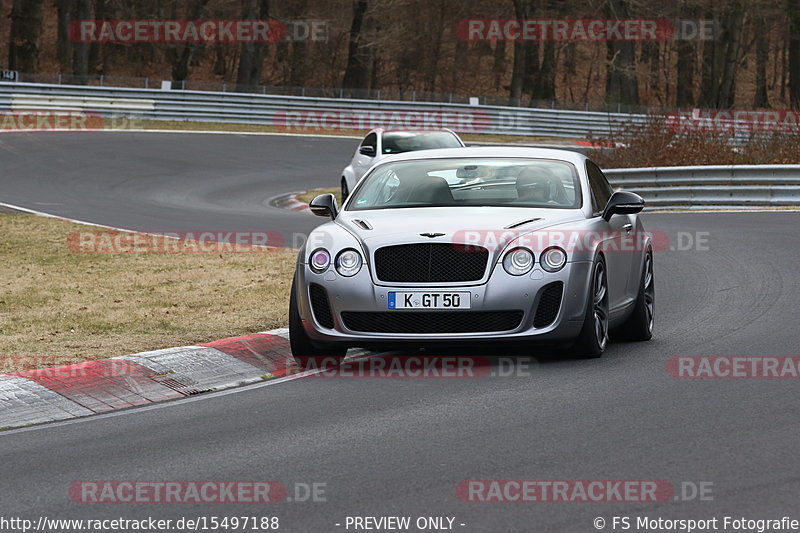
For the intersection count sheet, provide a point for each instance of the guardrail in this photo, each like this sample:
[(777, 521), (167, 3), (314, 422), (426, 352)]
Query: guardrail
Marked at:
[(296, 113), (756, 186), (706, 186)]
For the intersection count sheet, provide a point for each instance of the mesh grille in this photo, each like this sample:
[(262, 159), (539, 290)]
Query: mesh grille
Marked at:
[(428, 322), (549, 303), (321, 306), (430, 263)]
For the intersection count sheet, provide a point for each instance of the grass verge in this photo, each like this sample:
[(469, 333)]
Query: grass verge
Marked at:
[(182, 125), (59, 306), (307, 196)]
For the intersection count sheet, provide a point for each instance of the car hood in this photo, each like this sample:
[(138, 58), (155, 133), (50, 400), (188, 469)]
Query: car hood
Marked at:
[(381, 227)]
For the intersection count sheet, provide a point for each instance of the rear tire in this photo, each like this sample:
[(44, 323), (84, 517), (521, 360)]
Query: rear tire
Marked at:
[(593, 338), (305, 351), (639, 326), (345, 189)]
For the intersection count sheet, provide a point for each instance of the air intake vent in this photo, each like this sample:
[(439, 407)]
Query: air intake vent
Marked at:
[(549, 304), (321, 306), (432, 322)]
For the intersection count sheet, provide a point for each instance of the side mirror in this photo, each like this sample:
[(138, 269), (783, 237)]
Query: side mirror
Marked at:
[(623, 203), (324, 205), (367, 150)]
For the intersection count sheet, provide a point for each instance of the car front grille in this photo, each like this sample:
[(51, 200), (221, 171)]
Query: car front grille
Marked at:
[(432, 322), (320, 305), (431, 263), (549, 304)]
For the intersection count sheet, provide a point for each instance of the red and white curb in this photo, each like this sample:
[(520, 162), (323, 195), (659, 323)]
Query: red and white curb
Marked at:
[(71, 391), (289, 201)]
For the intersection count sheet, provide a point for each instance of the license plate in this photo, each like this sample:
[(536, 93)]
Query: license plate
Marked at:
[(429, 300)]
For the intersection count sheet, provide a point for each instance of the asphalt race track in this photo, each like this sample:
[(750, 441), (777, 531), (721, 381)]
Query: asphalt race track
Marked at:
[(401, 446)]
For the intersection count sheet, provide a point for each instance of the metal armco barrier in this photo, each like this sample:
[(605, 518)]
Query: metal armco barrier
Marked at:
[(701, 186), (296, 113), (756, 186)]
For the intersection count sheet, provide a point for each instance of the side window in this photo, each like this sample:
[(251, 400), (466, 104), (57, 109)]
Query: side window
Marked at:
[(601, 190), (371, 140)]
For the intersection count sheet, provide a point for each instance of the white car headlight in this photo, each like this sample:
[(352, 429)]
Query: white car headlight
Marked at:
[(319, 260), (553, 259), (518, 261), (348, 262)]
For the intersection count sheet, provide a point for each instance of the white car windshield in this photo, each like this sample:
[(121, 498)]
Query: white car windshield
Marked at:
[(402, 141), (539, 183)]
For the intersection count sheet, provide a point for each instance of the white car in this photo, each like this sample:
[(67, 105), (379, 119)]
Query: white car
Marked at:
[(380, 143)]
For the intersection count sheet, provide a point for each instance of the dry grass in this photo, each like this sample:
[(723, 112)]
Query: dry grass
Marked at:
[(307, 196), (61, 306), (655, 144), (180, 125)]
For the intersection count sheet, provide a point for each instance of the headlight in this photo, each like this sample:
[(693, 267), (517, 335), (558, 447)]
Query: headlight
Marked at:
[(553, 259), (348, 262), (518, 261), (319, 260)]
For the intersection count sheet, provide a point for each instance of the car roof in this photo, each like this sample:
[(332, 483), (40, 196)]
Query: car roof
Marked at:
[(576, 158), (384, 131)]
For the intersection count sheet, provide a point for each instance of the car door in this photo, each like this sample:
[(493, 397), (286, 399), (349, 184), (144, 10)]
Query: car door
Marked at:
[(361, 161), (615, 242)]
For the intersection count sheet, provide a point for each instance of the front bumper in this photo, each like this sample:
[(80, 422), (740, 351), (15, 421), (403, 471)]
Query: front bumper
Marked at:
[(502, 292)]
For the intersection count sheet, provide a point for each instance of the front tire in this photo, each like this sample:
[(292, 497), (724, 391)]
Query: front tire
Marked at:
[(345, 189), (639, 326), (305, 351), (593, 338)]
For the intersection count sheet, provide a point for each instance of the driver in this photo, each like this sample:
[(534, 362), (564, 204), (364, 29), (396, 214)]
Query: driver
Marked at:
[(536, 185)]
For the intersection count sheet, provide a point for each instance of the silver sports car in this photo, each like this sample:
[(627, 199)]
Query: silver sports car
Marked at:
[(522, 245)]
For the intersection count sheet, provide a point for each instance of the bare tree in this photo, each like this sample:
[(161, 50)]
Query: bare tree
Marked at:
[(26, 27), (357, 72), (794, 52), (621, 84), (251, 55)]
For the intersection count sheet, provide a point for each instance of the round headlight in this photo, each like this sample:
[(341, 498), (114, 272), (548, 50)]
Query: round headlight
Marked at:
[(319, 260), (518, 261), (553, 259), (348, 262)]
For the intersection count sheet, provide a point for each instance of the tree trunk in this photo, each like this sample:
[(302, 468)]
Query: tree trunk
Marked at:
[(251, 56), (356, 74), (526, 57), (80, 51), (794, 53), (730, 61), (96, 50), (761, 99), (26, 27), (621, 84), (64, 49)]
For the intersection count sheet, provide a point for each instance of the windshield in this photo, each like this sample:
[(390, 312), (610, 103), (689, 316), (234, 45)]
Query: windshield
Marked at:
[(469, 182), (397, 142)]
